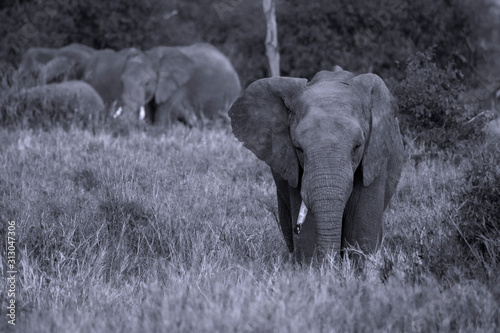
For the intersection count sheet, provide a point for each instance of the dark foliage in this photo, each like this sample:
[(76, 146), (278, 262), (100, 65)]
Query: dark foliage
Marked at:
[(479, 214), (430, 106), (428, 50)]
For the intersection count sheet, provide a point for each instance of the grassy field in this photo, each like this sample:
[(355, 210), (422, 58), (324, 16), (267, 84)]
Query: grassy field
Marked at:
[(150, 231)]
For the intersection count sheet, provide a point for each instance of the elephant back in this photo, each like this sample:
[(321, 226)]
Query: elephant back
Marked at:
[(65, 100), (214, 79)]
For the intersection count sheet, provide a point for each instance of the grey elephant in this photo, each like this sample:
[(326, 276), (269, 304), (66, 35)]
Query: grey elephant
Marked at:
[(49, 65), (335, 152), (68, 100), (194, 82), (126, 81)]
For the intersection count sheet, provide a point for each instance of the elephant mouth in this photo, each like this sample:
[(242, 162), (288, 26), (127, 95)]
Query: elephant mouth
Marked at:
[(301, 218)]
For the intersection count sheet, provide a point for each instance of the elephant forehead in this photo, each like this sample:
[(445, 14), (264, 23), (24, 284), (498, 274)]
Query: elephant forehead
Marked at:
[(332, 98), (139, 70)]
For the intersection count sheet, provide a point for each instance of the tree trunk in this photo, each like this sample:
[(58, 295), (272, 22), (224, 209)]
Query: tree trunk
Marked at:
[(272, 50)]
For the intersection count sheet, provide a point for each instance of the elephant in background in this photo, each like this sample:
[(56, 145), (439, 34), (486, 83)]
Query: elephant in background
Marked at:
[(194, 82), (64, 97), (335, 152), (49, 65), (126, 80)]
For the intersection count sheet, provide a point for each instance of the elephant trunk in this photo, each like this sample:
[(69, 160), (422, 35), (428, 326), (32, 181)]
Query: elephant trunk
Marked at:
[(326, 187)]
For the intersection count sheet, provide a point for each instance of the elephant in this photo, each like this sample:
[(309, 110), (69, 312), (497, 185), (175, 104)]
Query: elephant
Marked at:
[(194, 82), (126, 80), (335, 151), (69, 96), (55, 65)]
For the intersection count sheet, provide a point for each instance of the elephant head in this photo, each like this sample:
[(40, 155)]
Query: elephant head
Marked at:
[(335, 150), (174, 69), (139, 81), (126, 80)]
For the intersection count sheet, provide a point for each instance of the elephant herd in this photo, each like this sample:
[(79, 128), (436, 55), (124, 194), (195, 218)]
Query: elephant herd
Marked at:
[(333, 143), (162, 85)]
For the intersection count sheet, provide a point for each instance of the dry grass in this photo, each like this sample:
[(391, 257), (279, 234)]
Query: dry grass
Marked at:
[(176, 232)]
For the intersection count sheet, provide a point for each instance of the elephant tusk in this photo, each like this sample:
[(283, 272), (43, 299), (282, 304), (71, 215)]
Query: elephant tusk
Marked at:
[(118, 112), (142, 113), (302, 217)]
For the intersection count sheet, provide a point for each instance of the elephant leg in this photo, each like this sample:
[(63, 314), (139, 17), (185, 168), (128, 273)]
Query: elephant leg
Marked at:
[(362, 225), (284, 213)]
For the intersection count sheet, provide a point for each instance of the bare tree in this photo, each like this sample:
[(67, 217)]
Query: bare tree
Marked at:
[(272, 51)]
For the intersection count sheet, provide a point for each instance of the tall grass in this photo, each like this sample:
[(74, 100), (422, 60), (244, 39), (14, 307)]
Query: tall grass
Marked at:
[(176, 231)]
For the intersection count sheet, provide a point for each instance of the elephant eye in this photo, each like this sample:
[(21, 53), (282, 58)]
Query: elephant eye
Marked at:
[(356, 149)]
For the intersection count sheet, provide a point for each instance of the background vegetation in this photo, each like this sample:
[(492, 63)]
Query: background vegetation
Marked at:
[(430, 52), (124, 227)]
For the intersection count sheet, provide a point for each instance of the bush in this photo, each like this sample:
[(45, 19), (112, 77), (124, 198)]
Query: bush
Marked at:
[(430, 109), (102, 24), (479, 213), (376, 36), (429, 94)]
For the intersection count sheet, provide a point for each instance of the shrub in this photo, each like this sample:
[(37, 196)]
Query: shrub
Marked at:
[(479, 213), (429, 94), (374, 36), (430, 109)]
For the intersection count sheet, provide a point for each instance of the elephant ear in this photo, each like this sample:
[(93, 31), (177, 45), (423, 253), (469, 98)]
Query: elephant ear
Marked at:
[(385, 147), (260, 120), (176, 69)]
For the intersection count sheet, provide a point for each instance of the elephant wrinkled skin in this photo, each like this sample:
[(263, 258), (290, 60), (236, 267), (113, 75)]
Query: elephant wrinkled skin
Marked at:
[(333, 145)]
